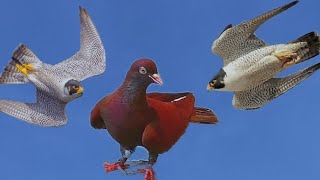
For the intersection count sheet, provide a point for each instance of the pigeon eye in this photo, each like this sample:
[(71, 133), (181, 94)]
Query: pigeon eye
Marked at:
[(142, 70)]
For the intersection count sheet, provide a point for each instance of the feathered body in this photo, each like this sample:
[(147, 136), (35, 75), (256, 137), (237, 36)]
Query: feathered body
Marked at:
[(249, 62), (153, 120), (56, 84)]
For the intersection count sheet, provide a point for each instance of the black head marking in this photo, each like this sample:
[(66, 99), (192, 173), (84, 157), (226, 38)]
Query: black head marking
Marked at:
[(72, 83), (217, 81)]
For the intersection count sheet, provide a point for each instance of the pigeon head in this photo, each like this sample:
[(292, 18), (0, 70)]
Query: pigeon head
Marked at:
[(217, 82), (144, 72), (73, 88)]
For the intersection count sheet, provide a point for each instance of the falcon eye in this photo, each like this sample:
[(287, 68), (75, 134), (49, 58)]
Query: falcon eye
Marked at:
[(212, 83), (142, 70)]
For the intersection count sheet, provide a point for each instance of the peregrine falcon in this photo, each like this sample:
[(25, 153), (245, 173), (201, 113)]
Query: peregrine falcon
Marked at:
[(250, 64), (56, 85)]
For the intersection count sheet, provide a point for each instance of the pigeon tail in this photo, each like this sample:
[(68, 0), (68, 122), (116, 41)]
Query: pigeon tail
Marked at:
[(203, 116)]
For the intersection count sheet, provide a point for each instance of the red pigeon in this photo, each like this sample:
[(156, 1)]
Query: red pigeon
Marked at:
[(155, 121)]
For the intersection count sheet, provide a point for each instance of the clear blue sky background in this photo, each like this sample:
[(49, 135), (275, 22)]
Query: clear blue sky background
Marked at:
[(279, 141)]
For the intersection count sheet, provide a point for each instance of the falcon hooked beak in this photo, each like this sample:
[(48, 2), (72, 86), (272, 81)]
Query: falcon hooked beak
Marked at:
[(75, 89), (156, 78), (210, 86)]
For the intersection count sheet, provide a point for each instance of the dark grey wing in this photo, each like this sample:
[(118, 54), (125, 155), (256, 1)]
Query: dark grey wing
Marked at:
[(260, 95), (90, 60), (46, 112), (239, 40)]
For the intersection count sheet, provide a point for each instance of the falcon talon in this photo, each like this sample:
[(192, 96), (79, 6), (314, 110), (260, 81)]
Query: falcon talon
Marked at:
[(288, 63), (291, 61), (22, 69), (28, 67), (285, 56)]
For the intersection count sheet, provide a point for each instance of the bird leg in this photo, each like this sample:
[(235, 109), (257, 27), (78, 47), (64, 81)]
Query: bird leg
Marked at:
[(148, 172), (287, 57), (24, 68), (120, 164)]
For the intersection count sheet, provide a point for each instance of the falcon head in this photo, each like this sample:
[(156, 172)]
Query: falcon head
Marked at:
[(73, 88), (217, 82)]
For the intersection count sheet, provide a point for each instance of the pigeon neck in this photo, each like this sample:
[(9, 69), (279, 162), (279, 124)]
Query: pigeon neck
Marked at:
[(134, 92)]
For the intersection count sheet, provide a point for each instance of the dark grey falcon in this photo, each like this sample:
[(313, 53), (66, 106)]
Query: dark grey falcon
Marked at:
[(56, 85), (250, 64)]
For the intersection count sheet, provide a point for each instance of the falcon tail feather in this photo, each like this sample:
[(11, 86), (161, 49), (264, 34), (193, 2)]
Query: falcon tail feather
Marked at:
[(313, 46), (21, 55), (204, 116)]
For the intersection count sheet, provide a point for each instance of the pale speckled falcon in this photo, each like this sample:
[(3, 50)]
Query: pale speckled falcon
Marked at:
[(56, 84), (250, 64)]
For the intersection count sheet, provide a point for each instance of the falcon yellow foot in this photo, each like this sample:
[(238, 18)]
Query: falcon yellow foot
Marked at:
[(24, 68), (288, 58)]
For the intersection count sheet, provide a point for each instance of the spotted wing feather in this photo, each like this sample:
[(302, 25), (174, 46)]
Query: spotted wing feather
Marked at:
[(269, 90), (90, 59), (239, 40), (47, 111)]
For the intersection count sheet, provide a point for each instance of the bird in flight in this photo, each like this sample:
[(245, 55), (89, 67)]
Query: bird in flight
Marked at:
[(250, 64), (155, 121), (56, 85)]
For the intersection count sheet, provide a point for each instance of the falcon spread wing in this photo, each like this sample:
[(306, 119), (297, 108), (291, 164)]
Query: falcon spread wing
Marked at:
[(258, 96), (47, 111), (239, 40), (90, 60)]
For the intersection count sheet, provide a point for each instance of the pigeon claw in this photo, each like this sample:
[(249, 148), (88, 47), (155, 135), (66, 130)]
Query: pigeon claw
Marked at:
[(114, 167), (149, 174), (288, 58)]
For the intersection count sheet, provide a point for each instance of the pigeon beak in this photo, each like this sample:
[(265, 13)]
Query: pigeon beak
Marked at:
[(156, 78)]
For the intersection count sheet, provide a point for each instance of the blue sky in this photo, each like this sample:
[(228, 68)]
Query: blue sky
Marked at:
[(278, 141)]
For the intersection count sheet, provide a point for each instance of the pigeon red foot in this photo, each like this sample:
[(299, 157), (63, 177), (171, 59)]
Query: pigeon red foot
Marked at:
[(115, 166), (148, 173), (155, 121)]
